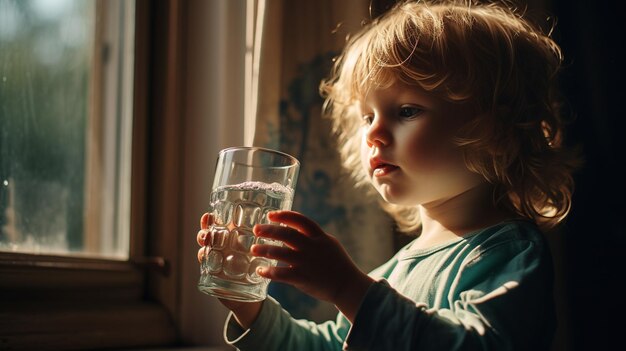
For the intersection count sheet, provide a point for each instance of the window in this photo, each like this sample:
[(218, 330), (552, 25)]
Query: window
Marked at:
[(66, 106), (182, 78), (77, 78)]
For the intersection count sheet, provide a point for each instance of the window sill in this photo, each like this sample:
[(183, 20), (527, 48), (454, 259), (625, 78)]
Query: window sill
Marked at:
[(66, 303), (85, 325)]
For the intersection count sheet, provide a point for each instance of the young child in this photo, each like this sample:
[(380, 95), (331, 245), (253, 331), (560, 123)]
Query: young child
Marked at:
[(448, 111)]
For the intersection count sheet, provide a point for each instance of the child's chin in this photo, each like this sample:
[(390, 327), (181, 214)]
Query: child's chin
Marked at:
[(393, 197)]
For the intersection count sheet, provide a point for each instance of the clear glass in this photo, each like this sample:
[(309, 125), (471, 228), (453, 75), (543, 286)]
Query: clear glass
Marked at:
[(62, 142), (249, 182)]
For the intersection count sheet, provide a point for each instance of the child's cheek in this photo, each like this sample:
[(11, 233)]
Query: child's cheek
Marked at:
[(426, 150), (365, 153), (431, 147)]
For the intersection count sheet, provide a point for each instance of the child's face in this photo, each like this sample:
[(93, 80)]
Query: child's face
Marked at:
[(407, 146)]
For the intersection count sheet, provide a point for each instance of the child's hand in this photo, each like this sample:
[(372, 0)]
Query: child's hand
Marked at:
[(317, 263), (245, 312)]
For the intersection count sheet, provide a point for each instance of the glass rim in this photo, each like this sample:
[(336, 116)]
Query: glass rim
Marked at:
[(258, 148)]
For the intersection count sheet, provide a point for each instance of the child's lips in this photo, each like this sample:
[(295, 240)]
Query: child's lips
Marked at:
[(381, 167), (384, 169)]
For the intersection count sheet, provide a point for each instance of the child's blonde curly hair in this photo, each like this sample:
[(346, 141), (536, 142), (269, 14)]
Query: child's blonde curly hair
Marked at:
[(484, 55)]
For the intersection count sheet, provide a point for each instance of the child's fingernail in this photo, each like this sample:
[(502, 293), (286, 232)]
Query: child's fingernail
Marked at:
[(260, 270), (273, 213)]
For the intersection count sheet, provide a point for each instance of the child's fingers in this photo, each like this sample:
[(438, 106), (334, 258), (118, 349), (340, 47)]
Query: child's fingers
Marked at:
[(201, 253), (203, 237), (289, 236), (206, 220), (280, 253), (296, 220), (279, 274)]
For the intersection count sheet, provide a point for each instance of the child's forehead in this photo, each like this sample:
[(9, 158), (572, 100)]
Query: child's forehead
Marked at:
[(397, 90), (376, 84)]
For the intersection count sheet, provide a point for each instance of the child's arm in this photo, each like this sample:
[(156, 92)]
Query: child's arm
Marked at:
[(275, 329), (499, 300)]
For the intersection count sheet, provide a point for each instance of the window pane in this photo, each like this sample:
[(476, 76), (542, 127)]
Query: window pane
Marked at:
[(59, 125)]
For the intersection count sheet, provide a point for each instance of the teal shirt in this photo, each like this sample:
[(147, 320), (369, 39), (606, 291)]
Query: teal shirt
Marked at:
[(488, 290)]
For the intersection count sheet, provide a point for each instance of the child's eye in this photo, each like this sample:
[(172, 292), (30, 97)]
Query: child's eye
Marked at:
[(368, 119), (408, 112)]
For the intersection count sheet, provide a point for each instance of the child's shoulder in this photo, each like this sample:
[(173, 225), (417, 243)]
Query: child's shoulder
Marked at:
[(505, 239), (509, 230), (521, 236)]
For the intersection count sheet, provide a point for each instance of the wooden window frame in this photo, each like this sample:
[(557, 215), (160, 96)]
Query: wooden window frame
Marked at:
[(57, 302)]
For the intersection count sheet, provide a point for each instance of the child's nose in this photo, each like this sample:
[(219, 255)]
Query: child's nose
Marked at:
[(378, 134)]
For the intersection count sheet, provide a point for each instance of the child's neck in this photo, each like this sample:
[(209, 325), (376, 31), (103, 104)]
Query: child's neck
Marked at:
[(447, 219)]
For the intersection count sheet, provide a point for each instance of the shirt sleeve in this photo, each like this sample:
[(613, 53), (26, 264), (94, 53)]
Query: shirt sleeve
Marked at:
[(275, 329), (499, 300)]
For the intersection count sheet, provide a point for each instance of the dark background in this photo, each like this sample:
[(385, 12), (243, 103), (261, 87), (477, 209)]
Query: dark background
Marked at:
[(593, 239), (591, 34)]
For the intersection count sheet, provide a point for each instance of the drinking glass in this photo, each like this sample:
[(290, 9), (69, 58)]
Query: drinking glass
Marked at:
[(249, 183)]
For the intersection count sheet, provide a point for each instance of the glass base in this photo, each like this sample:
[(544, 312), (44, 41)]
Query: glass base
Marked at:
[(229, 290)]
